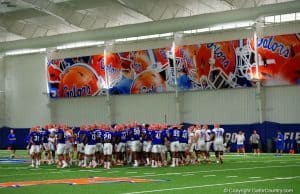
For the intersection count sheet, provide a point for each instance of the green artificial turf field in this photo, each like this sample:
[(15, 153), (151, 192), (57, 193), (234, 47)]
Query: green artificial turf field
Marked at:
[(239, 174)]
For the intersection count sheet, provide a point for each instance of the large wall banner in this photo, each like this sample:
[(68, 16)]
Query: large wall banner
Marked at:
[(228, 64)]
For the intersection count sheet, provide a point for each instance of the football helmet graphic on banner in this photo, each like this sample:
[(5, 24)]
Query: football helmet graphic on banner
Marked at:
[(245, 60)]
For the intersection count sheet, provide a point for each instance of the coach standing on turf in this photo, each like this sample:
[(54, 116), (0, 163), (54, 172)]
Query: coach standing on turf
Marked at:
[(254, 140), (12, 143)]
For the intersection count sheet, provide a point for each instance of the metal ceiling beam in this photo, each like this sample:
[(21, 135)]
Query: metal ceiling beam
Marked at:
[(162, 26)]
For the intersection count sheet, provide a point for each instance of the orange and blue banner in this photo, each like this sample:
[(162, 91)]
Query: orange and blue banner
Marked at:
[(227, 64)]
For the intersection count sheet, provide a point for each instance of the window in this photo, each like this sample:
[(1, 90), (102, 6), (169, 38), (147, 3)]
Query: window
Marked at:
[(288, 17)]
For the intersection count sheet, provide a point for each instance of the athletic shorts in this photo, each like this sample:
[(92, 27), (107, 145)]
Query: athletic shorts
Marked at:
[(183, 147), (69, 147), (136, 146), (61, 147), (89, 149), (35, 149), (218, 146), (174, 146), (80, 148), (99, 147), (121, 147), (107, 149), (12, 147), (201, 146), (279, 146), (239, 146), (147, 146), (156, 148), (255, 145)]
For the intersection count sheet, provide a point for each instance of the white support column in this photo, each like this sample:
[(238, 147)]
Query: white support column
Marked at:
[(2, 92), (258, 91), (178, 100), (108, 99)]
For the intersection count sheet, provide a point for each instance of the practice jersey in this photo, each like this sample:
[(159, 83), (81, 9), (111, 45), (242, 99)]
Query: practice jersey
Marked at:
[(157, 137), (148, 135), (45, 136), (81, 136), (279, 138), (91, 137), (122, 136), (69, 136), (135, 133), (208, 133), (191, 136), (254, 138), (11, 139), (184, 137), (174, 135), (36, 138), (201, 135), (240, 139), (218, 134), (99, 136), (107, 136), (61, 136)]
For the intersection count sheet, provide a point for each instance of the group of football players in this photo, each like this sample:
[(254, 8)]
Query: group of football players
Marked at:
[(152, 145)]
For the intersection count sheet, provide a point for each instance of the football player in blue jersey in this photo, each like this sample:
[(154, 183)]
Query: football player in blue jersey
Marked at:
[(35, 141), (108, 139), (183, 144), (174, 135), (156, 145)]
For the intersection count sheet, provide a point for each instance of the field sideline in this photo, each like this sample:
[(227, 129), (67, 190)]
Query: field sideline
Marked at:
[(239, 174)]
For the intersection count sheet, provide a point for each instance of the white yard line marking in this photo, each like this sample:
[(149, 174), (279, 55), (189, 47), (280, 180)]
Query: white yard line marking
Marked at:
[(14, 168), (254, 177), (284, 178), (113, 172), (219, 170), (150, 175), (231, 176), (209, 175), (262, 160), (131, 172), (187, 174), (211, 185), (173, 173), (90, 170), (147, 173)]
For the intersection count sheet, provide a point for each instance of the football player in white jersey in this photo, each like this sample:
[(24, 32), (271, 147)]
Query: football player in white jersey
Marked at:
[(52, 141), (200, 137), (208, 142), (240, 139), (218, 136), (191, 144)]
